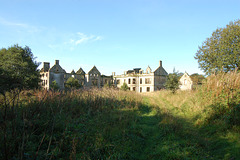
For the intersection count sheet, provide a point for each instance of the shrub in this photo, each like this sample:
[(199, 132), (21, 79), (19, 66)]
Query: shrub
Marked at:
[(54, 85), (222, 92), (124, 87)]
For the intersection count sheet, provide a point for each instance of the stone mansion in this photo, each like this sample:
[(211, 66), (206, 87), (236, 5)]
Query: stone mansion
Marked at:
[(137, 79), (56, 73), (143, 81)]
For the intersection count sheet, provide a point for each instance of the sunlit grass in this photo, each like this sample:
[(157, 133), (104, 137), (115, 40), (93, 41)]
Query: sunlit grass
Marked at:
[(114, 124)]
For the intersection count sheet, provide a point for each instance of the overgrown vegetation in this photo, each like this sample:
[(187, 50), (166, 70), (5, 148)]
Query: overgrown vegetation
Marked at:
[(172, 82), (222, 92), (124, 87), (72, 83), (114, 124)]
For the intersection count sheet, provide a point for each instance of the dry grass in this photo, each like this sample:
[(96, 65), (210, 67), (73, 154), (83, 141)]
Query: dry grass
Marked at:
[(222, 88)]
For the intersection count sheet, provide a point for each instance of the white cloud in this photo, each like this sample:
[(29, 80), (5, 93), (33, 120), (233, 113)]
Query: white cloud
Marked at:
[(74, 40), (98, 38), (83, 38), (22, 26)]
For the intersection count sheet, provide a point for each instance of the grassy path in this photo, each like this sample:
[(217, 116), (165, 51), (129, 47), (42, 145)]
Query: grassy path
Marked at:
[(169, 132)]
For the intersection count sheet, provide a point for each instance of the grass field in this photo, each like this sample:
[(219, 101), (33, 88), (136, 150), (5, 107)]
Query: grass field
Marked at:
[(113, 124)]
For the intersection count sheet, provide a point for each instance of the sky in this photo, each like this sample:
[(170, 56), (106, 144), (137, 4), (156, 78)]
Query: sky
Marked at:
[(114, 35)]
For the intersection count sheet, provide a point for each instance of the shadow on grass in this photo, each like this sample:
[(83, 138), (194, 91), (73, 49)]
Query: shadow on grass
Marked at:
[(107, 129), (164, 136)]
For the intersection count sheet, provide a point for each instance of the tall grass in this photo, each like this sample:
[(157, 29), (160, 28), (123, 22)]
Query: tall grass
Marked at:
[(69, 125), (221, 92), (114, 124)]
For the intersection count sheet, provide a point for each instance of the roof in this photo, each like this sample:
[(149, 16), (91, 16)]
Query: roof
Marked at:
[(80, 71), (160, 71), (57, 69), (94, 70), (73, 72)]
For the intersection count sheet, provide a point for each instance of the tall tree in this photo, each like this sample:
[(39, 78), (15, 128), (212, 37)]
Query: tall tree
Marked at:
[(18, 69), (172, 82), (221, 51)]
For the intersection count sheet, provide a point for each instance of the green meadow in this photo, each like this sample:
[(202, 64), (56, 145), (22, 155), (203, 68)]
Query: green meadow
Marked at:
[(114, 124)]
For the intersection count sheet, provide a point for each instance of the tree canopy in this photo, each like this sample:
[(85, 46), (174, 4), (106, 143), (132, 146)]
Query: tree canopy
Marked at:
[(221, 52), (18, 69), (172, 82), (197, 79), (72, 83)]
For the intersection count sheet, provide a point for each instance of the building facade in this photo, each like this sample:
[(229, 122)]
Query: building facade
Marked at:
[(185, 82), (140, 81), (56, 73)]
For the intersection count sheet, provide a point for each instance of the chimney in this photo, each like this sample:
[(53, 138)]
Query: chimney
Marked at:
[(56, 62), (160, 63), (113, 73), (46, 66)]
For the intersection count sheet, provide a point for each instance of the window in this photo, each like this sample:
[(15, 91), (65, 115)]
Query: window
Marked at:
[(140, 80), (148, 89), (140, 89), (118, 81), (129, 81), (134, 81), (46, 74), (148, 81), (46, 82), (134, 88)]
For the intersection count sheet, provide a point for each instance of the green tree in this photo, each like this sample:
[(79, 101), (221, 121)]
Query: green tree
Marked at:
[(18, 69), (221, 51), (197, 79), (124, 87), (172, 82), (72, 83), (54, 85)]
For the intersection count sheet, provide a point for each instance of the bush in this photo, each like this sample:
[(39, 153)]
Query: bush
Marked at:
[(222, 92), (72, 83), (54, 85), (124, 87)]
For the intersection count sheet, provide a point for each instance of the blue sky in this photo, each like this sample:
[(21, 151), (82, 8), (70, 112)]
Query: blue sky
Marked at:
[(114, 35)]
